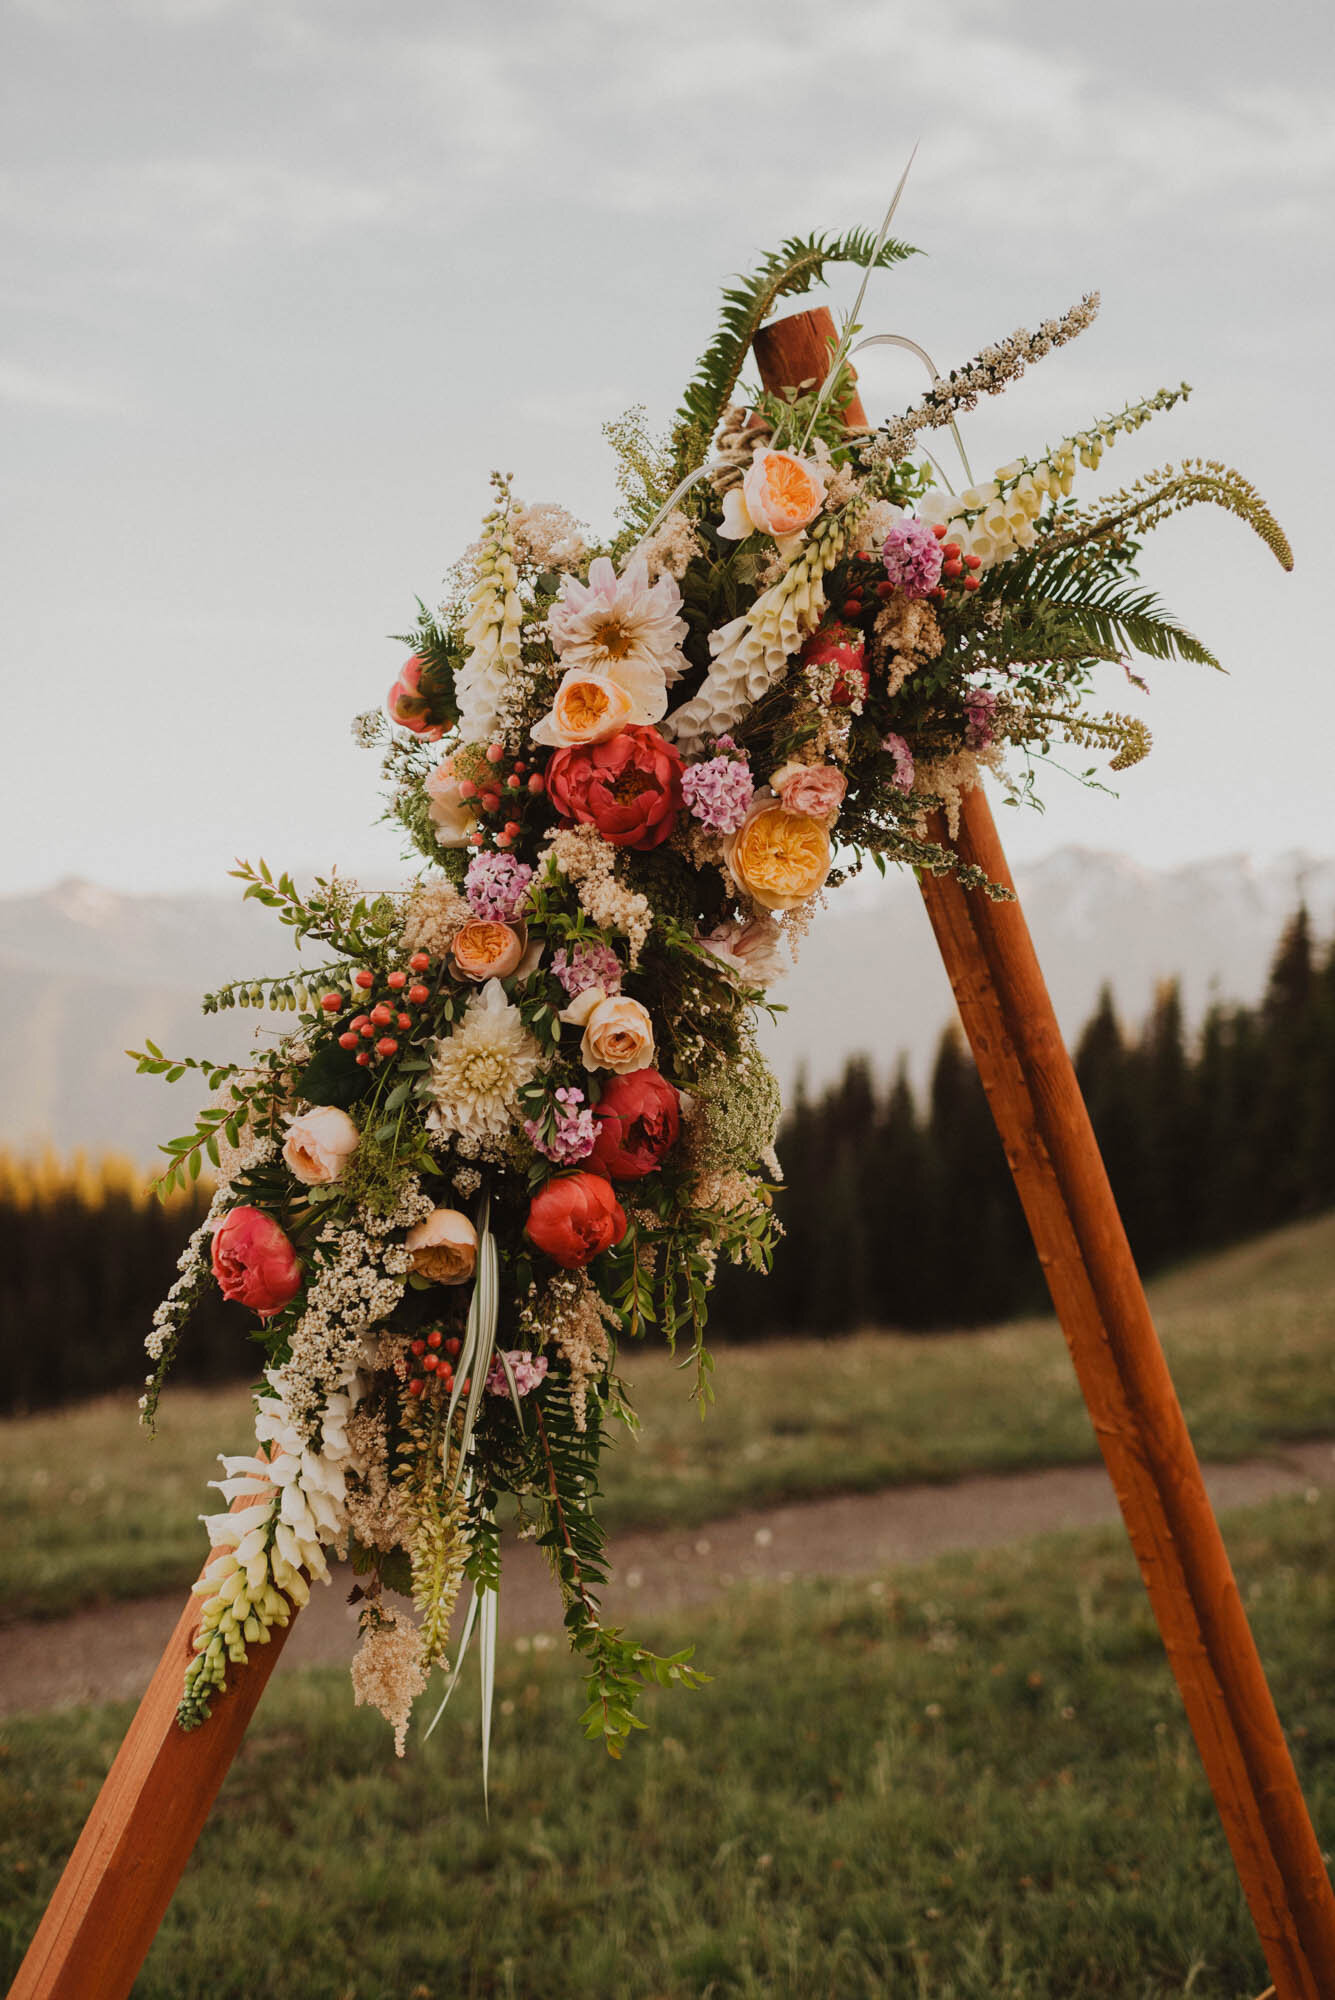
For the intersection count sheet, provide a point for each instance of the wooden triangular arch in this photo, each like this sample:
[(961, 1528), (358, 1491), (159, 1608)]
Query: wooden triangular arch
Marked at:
[(157, 1796)]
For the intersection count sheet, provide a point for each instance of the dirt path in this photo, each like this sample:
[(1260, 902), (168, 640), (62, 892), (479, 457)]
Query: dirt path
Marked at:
[(110, 1653)]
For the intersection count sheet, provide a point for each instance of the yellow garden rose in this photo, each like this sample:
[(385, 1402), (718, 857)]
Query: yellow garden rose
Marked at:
[(777, 857)]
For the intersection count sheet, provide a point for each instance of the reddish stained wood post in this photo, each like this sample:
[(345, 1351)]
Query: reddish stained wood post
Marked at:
[(151, 1810), (1096, 1289)]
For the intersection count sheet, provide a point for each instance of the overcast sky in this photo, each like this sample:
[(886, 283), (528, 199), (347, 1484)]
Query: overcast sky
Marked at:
[(286, 279)]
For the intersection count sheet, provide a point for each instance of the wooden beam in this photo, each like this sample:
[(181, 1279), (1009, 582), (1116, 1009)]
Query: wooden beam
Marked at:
[(142, 1829), (1087, 1262)]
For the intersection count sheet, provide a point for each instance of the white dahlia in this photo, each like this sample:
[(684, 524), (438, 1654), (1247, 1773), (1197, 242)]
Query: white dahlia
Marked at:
[(478, 1071), (624, 628)]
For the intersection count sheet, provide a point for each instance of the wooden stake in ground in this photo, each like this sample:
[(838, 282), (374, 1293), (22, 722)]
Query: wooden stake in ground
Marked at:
[(150, 1811), (1090, 1272)]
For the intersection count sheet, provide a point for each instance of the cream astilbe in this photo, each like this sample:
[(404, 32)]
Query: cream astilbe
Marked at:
[(387, 1672), (492, 626), (752, 652)]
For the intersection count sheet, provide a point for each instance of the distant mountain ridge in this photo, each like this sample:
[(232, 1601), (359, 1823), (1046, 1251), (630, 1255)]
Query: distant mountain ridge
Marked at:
[(102, 970)]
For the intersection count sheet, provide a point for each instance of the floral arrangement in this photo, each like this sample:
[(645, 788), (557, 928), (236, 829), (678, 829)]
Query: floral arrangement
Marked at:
[(521, 1112)]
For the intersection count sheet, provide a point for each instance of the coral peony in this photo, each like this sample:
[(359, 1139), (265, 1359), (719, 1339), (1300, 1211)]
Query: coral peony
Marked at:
[(408, 706), (319, 1144), (780, 495), (254, 1261), (638, 1118), (840, 646), (574, 1218), (629, 787)]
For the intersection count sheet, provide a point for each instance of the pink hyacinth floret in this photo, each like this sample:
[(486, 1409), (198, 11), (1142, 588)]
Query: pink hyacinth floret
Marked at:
[(582, 965), (719, 792), (575, 1129), (896, 747), (526, 1371), (912, 557), (496, 886)]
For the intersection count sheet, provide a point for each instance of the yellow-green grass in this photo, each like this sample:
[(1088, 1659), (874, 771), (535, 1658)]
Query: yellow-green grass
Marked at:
[(90, 1508), (970, 1781)]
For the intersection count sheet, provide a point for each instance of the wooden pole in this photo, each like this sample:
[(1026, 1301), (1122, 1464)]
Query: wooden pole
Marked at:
[(142, 1829), (1087, 1261)]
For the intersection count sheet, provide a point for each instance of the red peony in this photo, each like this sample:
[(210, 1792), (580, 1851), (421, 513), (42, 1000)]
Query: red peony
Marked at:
[(638, 1120), (842, 646), (574, 1217), (254, 1261), (628, 787)]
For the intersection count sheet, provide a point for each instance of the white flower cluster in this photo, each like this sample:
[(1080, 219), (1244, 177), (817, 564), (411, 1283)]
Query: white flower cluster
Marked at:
[(493, 628), (752, 652), (478, 1071)]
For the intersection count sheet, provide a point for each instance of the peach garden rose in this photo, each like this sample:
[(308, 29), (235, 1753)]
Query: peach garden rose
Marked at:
[(588, 708), (485, 950), (443, 1247), (319, 1144), (618, 1032), (777, 857), (780, 495)]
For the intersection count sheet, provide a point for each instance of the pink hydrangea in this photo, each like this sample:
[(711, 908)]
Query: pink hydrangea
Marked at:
[(573, 1132), (895, 746), (583, 964), (981, 709), (527, 1372), (496, 886), (719, 792), (912, 557)]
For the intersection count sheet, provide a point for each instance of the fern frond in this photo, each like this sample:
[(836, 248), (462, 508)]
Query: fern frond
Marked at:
[(1151, 500), (1091, 609), (798, 264)]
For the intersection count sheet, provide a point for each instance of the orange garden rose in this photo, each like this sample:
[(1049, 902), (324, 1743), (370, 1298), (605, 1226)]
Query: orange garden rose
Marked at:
[(485, 950), (777, 857), (780, 495), (588, 709)]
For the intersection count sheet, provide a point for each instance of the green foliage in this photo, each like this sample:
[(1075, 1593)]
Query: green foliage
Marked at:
[(798, 264), (1101, 614), (1150, 500)]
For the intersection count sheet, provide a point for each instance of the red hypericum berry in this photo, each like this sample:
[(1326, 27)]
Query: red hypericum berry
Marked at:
[(951, 550), (973, 562), (364, 978), (366, 1030), (504, 840), (433, 1339), (382, 1015), (419, 994), (885, 589), (467, 1384), (467, 789), (476, 839), (452, 1348), (347, 1040), (971, 583), (359, 1020), (489, 801), (536, 784), (364, 1059), (512, 783), (864, 556), (520, 768), (495, 753), (853, 607), (418, 1348), (420, 961), (512, 827), (416, 1387), (430, 1363), (952, 569), (939, 530), (405, 1020), (332, 1003), (396, 980), (387, 1046)]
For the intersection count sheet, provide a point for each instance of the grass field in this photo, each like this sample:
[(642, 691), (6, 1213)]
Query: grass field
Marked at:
[(965, 1782), (90, 1508)]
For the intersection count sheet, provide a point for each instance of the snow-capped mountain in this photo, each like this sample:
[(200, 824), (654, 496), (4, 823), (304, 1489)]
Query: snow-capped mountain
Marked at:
[(90, 972)]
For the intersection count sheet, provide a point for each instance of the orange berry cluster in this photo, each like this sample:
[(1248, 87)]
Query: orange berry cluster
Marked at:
[(431, 1360), (495, 795), (375, 1026)]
